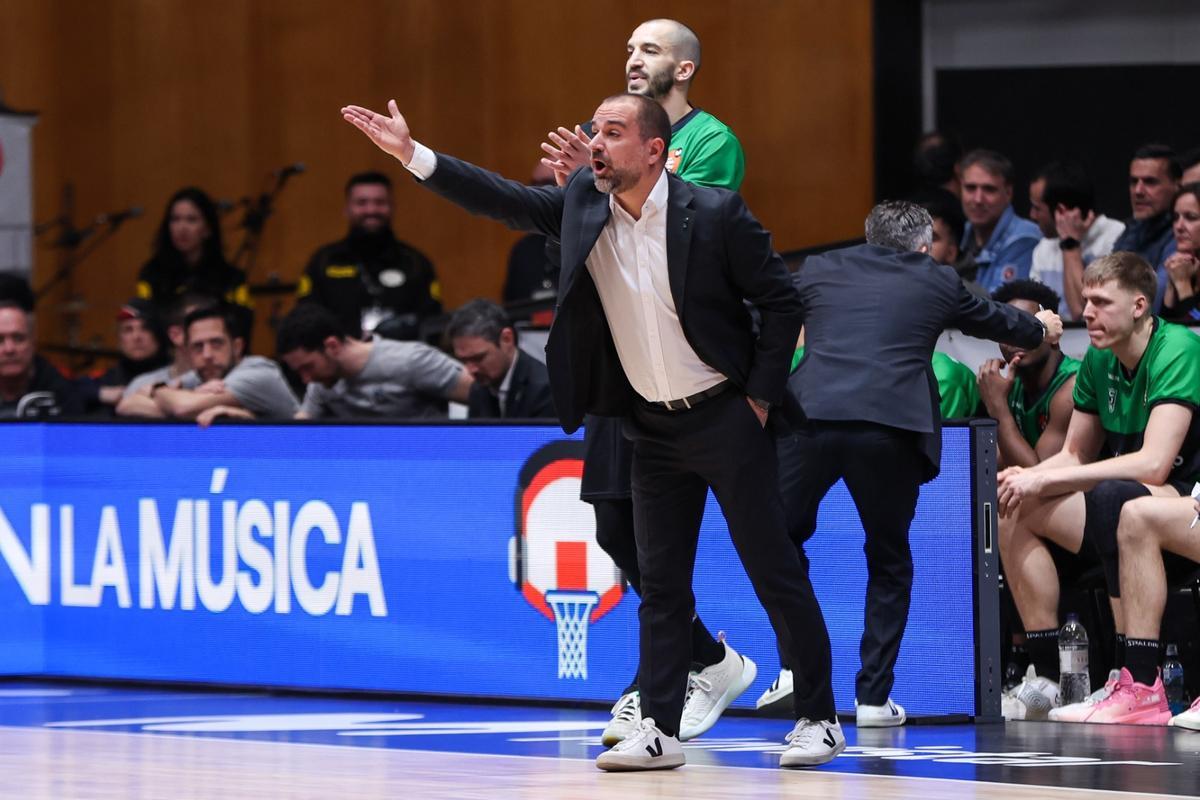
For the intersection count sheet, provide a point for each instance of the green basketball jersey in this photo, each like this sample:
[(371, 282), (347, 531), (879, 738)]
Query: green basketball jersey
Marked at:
[(957, 385), (1169, 371), (1032, 420), (705, 152)]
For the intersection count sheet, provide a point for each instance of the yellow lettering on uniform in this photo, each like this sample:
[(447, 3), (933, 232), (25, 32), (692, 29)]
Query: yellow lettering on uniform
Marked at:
[(335, 271)]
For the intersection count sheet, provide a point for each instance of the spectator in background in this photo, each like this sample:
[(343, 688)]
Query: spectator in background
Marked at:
[(935, 163), (1153, 182), (30, 386), (227, 379), (1189, 166), (948, 224), (189, 258), (142, 342), (508, 383), (376, 379), (1062, 203), (1180, 298), (178, 373), (531, 275), (371, 281), (997, 245), (1032, 402)]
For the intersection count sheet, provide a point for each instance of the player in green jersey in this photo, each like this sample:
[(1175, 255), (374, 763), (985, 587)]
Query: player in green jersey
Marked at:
[(1135, 395), (1031, 403), (663, 56)]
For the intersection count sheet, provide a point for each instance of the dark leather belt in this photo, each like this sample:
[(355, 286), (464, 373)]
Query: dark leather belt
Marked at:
[(691, 400)]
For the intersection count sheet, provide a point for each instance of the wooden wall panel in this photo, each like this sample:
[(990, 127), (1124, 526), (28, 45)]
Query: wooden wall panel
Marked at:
[(139, 97)]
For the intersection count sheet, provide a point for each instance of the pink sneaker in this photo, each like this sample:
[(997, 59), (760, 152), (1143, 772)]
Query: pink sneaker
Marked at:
[(1083, 710), (1133, 703)]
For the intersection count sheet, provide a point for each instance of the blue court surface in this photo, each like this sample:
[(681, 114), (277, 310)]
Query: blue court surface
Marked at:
[(1120, 758)]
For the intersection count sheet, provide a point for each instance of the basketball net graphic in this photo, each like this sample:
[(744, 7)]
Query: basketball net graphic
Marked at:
[(556, 563)]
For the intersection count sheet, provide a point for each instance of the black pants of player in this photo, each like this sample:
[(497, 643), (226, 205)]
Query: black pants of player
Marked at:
[(614, 534), (678, 456), (882, 468)]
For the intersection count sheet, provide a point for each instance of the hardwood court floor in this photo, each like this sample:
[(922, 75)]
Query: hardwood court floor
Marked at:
[(97, 743)]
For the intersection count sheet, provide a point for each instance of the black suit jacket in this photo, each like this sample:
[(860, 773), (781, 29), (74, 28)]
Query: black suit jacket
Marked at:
[(873, 317), (718, 256), (528, 394)]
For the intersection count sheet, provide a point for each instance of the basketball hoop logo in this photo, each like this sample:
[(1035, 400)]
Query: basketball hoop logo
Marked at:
[(554, 560)]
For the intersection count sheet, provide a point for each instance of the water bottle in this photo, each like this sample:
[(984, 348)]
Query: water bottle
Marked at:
[(1172, 675), (1075, 684)]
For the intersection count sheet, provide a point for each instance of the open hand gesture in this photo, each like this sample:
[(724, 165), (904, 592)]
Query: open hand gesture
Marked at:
[(390, 134), (567, 151)]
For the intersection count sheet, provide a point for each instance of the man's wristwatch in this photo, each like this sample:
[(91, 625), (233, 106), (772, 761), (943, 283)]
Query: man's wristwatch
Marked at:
[(1068, 243)]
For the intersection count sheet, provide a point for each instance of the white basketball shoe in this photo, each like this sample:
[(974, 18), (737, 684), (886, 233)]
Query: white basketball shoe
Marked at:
[(646, 748), (780, 689), (888, 715), (811, 744), (1032, 698), (712, 689), (626, 714)]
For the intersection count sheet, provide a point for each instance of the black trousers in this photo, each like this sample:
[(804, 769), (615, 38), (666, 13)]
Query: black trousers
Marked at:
[(677, 457), (882, 468), (614, 534)]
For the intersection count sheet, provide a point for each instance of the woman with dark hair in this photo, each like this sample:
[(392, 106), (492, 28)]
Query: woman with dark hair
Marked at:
[(1183, 266), (189, 256)]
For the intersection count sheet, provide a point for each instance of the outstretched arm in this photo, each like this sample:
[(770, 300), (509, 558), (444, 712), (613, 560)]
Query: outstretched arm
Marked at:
[(524, 208)]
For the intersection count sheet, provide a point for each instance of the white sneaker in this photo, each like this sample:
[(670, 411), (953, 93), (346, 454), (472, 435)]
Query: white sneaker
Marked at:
[(646, 748), (1081, 711), (812, 743), (712, 689), (780, 689), (626, 714), (888, 715), (1032, 698), (1189, 719)]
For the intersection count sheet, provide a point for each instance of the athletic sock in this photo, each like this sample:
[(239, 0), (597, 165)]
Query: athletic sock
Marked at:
[(1043, 652), (705, 649), (1141, 659), (1120, 651)]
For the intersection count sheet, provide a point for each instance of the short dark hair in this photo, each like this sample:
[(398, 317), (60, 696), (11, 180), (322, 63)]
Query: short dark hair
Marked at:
[(178, 311), (993, 162), (652, 119), (211, 312), (15, 289), (1164, 152), (481, 318), (1067, 184), (1189, 188), (942, 204), (935, 157), (1025, 289), (306, 328), (370, 177)]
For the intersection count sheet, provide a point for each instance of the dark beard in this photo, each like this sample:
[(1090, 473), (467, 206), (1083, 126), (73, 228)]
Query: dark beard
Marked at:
[(658, 85)]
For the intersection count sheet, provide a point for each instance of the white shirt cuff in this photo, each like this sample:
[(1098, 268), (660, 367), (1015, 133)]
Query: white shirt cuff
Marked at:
[(423, 162)]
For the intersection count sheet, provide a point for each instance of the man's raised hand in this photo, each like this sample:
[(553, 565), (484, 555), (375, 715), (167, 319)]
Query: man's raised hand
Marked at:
[(566, 151), (1053, 324), (390, 134)]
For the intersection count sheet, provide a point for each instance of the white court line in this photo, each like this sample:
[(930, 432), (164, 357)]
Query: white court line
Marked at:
[(587, 759), (110, 698)]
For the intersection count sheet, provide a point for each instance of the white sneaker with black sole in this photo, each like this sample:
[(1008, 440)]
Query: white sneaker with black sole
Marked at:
[(626, 714), (712, 689), (646, 748), (780, 689), (811, 744), (888, 715)]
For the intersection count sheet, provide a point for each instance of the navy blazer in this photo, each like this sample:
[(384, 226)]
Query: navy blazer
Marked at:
[(528, 394), (718, 259), (873, 317)]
